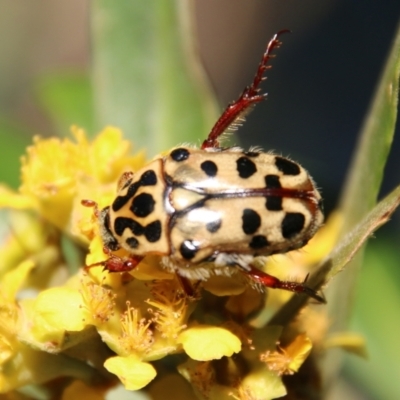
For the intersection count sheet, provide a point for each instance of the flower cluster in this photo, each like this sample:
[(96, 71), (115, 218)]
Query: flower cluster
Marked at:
[(90, 329)]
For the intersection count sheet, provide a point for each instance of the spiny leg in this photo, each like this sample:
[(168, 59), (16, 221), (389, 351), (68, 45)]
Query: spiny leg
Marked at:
[(250, 96), (275, 283)]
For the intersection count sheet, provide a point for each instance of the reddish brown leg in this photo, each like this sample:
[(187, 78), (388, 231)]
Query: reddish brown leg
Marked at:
[(275, 283), (250, 96), (91, 203), (117, 264), (187, 287)]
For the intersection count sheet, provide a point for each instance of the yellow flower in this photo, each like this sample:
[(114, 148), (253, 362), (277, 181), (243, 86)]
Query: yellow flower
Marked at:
[(136, 337), (56, 174), (204, 343), (171, 309), (98, 301), (132, 372), (47, 323), (287, 360), (89, 325)]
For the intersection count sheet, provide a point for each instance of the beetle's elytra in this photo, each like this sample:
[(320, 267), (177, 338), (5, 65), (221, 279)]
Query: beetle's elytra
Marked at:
[(214, 204)]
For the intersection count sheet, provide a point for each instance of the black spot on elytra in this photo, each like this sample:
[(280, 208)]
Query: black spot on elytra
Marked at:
[(148, 178), (180, 154), (153, 231), (214, 226), (209, 167), (132, 242), (188, 249), (251, 153), (286, 166), (272, 182), (143, 205), (251, 221), (245, 167), (273, 203), (292, 224), (258, 242)]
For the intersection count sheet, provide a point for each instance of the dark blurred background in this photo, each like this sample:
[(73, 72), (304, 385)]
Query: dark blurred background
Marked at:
[(321, 82)]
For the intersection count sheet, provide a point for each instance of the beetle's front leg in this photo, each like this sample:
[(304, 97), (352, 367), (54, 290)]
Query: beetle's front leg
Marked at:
[(116, 263)]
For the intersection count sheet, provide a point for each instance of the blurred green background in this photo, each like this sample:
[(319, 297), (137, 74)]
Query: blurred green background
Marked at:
[(319, 90)]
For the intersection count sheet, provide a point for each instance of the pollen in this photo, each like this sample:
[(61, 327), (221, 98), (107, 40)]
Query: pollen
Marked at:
[(98, 301), (288, 360), (136, 335), (171, 308)]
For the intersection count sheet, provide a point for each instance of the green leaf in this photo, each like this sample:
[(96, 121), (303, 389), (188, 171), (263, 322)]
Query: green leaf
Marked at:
[(366, 172), (365, 177), (13, 141), (147, 77), (376, 316)]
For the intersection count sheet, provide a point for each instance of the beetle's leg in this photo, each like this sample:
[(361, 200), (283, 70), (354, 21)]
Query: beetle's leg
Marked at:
[(275, 283), (190, 289), (91, 203), (117, 264), (236, 111)]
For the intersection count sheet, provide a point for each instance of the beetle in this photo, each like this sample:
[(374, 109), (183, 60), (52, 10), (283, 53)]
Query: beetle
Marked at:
[(213, 209)]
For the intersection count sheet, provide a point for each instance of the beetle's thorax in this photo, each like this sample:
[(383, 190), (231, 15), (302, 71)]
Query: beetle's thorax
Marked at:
[(138, 217)]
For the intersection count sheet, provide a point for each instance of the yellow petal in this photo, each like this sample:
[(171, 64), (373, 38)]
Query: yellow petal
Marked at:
[(55, 311), (288, 360), (298, 350), (11, 199), (204, 343), (351, 342), (262, 384), (13, 280), (133, 373), (150, 268), (324, 241)]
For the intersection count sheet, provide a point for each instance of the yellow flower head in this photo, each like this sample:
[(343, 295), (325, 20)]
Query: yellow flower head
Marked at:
[(90, 321), (57, 173), (136, 337)]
